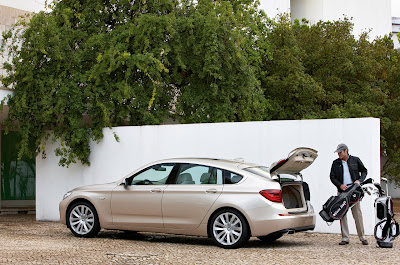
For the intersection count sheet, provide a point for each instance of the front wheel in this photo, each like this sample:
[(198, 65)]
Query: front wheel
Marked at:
[(83, 220), (229, 229)]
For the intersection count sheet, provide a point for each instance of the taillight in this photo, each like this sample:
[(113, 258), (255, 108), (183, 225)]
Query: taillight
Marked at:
[(272, 195)]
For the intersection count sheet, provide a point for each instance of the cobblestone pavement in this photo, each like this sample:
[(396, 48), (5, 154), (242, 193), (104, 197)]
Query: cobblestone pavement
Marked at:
[(26, 241)]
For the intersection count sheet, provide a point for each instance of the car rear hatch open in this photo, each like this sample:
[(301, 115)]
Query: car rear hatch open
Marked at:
[(287, 172), (297, 160)]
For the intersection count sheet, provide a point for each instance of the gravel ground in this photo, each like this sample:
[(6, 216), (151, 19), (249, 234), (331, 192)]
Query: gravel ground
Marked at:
[(26, 241)]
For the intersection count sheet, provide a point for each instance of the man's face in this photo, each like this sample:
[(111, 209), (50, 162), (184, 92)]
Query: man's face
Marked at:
[(343, 155)]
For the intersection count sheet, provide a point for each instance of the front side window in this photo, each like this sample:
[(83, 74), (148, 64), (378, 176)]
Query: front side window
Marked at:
[(198, 174), (154, 175)]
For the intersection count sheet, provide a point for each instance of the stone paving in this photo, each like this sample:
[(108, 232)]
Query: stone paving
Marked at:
[(26, 241)]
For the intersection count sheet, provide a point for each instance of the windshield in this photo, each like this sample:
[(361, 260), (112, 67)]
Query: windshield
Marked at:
[(261, 171)]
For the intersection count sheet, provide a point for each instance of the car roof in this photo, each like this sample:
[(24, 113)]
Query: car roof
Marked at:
[(233, 164)]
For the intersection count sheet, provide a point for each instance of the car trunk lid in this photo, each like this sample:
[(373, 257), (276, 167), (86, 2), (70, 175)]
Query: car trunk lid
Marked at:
[(297, 160)]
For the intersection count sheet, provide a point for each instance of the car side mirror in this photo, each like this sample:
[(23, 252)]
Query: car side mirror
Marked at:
[(126, 182)]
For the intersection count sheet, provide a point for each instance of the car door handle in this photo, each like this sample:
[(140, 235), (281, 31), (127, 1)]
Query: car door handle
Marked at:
[(155, 190), (211, 191)]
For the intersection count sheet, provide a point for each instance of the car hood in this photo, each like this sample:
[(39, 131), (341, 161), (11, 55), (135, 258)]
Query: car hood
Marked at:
[(297, 160), (107, 186)]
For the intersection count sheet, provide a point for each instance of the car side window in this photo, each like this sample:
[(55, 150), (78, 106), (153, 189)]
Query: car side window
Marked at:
[(231, 178), (198, 174), (154, 175)]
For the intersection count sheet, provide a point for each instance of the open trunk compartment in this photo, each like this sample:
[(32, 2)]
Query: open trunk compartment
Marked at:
[(293, 197)]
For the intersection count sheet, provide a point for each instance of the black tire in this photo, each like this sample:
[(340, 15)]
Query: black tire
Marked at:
[(271, 237), (229, 229), (83, 220)]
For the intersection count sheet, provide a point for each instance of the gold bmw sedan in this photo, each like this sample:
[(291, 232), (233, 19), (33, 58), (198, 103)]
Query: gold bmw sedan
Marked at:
[(226, 200)]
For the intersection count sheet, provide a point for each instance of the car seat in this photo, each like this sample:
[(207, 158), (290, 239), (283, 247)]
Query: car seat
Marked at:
[(185, 178)]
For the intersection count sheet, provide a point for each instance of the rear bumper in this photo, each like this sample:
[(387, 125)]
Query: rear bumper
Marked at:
[(290, 224), (297, 229)]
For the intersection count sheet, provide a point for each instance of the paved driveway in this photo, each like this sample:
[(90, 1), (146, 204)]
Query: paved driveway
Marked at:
[(25, 241)]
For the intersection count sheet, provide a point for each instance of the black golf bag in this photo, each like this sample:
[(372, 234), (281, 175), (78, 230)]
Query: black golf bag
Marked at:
[(337, 206), (386, 228)]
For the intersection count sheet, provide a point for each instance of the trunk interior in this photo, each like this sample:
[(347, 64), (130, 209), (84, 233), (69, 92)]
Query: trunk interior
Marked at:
[(293, 197)]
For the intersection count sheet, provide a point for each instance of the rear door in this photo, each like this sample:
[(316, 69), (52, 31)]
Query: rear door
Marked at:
[(186, 202)]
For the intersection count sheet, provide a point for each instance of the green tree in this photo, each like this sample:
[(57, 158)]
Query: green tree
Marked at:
[(215, 72), (342, 77), (291, 91), (347, 69), (390, 129), (87, 65)]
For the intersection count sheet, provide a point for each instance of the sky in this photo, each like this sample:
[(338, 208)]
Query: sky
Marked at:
[(38, 5)]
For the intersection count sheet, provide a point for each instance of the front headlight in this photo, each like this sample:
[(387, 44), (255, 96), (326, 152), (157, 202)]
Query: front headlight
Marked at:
[(67, 194)]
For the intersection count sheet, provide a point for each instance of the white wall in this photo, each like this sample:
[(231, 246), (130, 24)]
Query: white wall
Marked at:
[(4, 93), (366, 14), (393, 191), (260, 142), (273, 7), (27, 5)]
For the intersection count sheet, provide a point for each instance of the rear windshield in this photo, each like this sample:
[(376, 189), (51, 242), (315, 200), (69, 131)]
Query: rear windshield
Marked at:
[(289, 177), (264, 172), (261, 171)]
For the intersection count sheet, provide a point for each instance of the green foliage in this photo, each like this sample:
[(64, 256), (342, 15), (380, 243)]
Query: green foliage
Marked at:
[(287, 85), (323, 71), (85, 66), (214, 72), (88, 65)]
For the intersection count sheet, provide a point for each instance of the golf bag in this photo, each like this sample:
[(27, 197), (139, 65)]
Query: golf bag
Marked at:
[(337, 206), (386, 228)]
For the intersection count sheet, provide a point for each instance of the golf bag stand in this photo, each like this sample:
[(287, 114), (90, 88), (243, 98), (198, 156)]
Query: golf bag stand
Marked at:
[(386, 227)]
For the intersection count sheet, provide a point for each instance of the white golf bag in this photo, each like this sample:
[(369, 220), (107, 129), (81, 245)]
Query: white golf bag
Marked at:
[(386, 227)]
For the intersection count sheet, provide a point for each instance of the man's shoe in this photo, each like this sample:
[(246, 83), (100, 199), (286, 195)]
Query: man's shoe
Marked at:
[(345, 243), (364, 242)]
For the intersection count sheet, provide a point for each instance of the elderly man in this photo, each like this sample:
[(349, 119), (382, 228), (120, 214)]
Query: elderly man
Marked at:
[(347, 170)]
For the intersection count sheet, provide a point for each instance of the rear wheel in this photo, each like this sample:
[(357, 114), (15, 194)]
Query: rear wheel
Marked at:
[(83, 220), (271, 237), (229, 229)]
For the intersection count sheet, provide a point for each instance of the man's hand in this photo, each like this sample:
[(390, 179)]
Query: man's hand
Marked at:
[(343, 187), (357, 181)]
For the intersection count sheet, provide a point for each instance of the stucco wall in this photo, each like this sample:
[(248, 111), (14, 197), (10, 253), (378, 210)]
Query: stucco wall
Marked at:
[(273, 7), (260, 142), (365, 14), (393, 191)]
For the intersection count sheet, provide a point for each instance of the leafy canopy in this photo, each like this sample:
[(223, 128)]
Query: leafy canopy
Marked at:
[(90, 64)]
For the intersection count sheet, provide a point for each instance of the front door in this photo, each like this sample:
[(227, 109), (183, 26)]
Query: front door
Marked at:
[(17, 189), (138, 204)]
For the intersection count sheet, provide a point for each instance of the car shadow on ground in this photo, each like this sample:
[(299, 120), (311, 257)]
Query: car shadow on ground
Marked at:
[(192, 240)]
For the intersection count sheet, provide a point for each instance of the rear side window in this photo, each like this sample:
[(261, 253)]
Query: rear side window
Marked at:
[(198, 174), (232, 178)]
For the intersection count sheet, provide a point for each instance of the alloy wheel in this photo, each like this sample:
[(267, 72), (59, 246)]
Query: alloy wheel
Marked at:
[(82, 219), (227, 228)]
